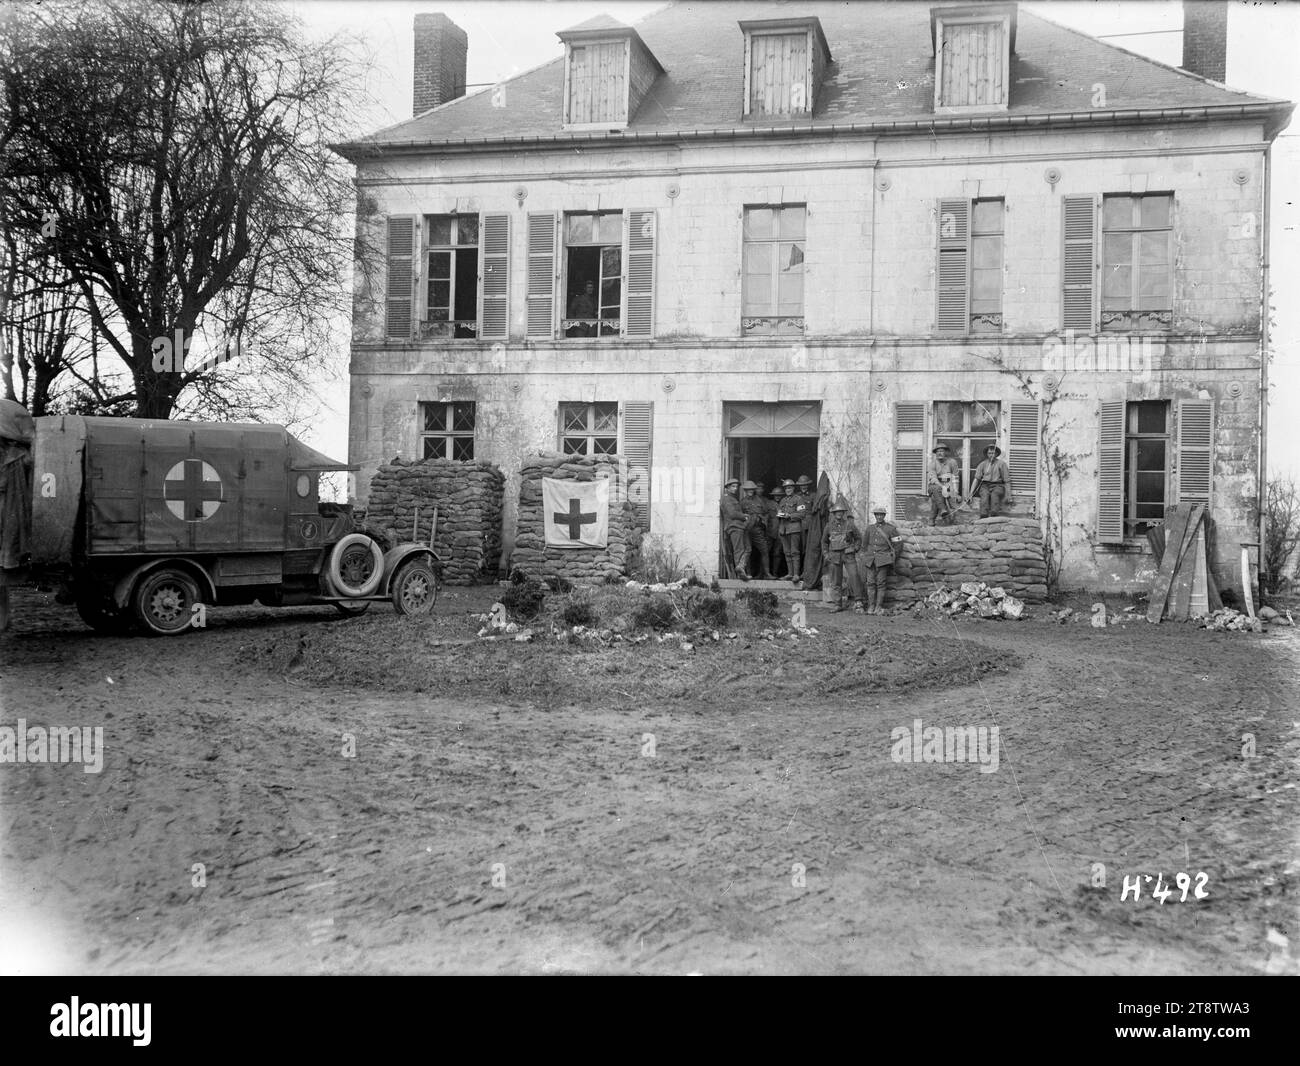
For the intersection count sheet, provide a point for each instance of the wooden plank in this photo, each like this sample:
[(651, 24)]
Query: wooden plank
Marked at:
[(1180, 595), (1175, 530), (1200, 599), (1212, 589), (1156, 538)]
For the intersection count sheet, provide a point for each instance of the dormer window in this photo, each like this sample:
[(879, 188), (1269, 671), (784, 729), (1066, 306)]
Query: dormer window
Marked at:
[(607, 72), (972, 57), (785, 61)]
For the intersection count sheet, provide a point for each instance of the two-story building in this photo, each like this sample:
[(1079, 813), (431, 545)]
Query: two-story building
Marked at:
[(776, 239)]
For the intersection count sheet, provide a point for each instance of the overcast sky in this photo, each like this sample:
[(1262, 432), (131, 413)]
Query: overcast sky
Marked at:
[(507, 38)]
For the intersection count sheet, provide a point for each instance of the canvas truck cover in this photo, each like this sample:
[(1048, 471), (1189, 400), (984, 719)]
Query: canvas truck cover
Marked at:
[(150, 486)]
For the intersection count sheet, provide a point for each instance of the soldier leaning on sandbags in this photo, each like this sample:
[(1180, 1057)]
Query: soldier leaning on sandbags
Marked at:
[(840, 541), (755, 508), (881, 545), (734, 525)]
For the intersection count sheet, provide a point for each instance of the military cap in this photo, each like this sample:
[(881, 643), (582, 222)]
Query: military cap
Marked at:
[(730, 481), (804, 479), (748, 485)]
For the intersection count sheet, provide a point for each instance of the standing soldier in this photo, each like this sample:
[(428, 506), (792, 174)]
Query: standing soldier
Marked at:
[(734, 523), (840, 541), (942, 483), (755, 508), (790, 516), (17, 434), (880, 547), (774, 529), (992, 481)]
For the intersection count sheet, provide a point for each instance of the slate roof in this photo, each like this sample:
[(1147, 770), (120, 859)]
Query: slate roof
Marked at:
[(882, 75)]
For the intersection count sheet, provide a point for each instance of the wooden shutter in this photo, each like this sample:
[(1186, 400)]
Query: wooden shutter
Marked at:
[(1110, 474), (494, 288), (1078, 263), (638, 441), (542, 233), (952, 269), (1195, 450), (639, 292), (909, 452), (399, 294), (1023, 449)]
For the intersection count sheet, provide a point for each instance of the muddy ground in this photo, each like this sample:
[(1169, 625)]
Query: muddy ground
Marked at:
[(728, 810)]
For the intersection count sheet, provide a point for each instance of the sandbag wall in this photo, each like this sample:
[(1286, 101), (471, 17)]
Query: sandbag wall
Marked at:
[(469, 497), (1004, 551), (579, 565)]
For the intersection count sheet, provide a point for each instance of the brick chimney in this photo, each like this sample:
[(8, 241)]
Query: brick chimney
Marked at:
[(1205, 38), (440, 50)]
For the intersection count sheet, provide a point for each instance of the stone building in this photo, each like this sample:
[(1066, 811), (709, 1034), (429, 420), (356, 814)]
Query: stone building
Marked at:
[(768, 240)]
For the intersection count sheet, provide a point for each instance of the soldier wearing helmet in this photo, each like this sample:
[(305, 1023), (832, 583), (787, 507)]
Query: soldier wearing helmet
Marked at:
[(734, 525), (755, 508), (774, 529), (790, 515), (881, 545), (840, 541)]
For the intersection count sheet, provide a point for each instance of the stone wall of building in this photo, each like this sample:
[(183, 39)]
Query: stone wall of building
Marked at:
[(1005, 552), (469, 497), (579, 565)]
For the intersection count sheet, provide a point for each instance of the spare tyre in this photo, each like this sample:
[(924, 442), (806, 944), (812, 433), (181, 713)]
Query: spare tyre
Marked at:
[(356, 566)]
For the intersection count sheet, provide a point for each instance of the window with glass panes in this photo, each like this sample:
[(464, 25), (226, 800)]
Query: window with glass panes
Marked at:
[(1137, 262), (589, 428), (593, 274), (772, 269), (447, 430), (1146, 465), (967, 427), (451, 292), (986, 267)]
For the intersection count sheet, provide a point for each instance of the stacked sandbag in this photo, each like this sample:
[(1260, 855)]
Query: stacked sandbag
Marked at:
[(469, 496), (1004, 552), (585, 565)]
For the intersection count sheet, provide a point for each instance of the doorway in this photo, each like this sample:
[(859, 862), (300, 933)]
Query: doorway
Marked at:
[(767, 442)]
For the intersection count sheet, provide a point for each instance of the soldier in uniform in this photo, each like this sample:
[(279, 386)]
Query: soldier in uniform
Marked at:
[(943, 483), (880, 547), (992, 481), (792, 508), (774, 530), (840, 541), (755, 508), (734, 523)]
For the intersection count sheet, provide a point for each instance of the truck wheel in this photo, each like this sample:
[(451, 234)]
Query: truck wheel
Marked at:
[(164, 602), (356, 565), (103, 616), (415, 588)]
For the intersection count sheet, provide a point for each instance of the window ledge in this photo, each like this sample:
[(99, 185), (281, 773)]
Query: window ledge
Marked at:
[(1128, 547)]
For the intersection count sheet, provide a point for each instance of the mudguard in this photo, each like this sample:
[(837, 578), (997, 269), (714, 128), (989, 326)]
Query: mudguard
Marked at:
[(395, 557)]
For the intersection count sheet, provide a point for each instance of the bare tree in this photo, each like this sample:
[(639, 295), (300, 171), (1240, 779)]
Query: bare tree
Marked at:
[(179, 153), (1281, 534)]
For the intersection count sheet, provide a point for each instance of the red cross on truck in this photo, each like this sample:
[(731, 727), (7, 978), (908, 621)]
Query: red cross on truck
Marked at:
[(145, 522)]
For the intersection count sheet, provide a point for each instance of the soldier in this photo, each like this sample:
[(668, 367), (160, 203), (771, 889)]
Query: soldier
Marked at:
[(880, 547), (792, 508), (992, 481), (942, 483), (774, 530), (755, 508), (840, 541), (734, 523), (17, 433)]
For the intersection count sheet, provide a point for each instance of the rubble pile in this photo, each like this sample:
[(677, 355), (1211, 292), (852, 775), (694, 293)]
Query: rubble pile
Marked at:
[(1004, 552), (469, 497), (977, 599), (577, 565), (1227, 619)]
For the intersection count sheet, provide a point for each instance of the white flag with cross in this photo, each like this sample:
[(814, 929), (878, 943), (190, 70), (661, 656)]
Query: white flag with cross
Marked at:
[(576, 513)]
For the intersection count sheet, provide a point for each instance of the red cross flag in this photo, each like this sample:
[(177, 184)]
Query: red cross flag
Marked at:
[(576, 513)]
